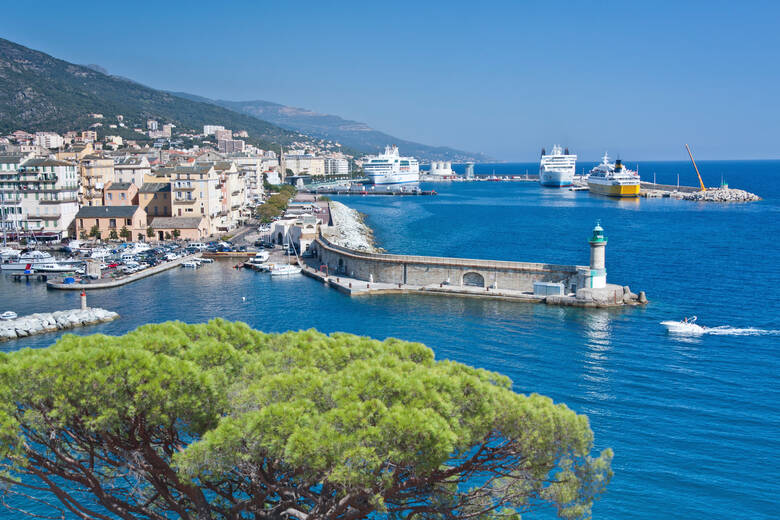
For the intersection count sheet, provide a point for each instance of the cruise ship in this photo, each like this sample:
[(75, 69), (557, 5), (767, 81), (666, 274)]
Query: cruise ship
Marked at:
[(613, 180), (391, 168), (557, 169)]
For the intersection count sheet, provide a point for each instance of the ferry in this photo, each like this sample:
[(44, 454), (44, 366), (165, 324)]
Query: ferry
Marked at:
[(557, 169), (391, 168), (613, 180)]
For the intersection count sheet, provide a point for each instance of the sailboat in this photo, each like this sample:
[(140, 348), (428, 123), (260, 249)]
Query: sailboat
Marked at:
[(287, 269)]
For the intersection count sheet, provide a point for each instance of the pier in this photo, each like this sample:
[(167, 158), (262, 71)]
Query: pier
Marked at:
[(358, 273), (109, 283)]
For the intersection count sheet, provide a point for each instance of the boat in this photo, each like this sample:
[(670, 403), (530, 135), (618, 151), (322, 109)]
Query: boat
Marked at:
[(285, 270), (6, 253), (684, 326), (557, 169), (613, 180), (54, 267), (8, 315), (100, 252), (391, 168), (191, 264), (28, 260), (206, 260), (262, 256)]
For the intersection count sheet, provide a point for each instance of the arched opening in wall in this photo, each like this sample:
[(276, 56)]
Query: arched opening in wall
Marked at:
[(341, 265), (474, 280), (279, 238)]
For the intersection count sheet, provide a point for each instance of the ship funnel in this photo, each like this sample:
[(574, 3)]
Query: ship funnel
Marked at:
[(543, 152), (566, 151)]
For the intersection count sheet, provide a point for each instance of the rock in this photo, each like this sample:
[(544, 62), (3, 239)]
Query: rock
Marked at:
[(721, 195), (642, 297), (626, 290), (348, 229)]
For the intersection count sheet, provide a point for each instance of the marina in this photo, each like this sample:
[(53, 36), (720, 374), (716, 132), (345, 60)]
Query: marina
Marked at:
[(602, 361)]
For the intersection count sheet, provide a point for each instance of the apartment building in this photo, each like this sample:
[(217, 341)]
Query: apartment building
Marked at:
[(196, 192), (95, 172), (305, 164), (132, 168), (47, 194)]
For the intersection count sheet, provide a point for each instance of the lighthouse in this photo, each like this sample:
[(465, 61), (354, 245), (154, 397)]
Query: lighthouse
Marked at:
[(597, 277)]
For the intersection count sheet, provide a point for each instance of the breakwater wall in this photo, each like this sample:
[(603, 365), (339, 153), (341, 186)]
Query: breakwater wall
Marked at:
[(109, 283), (41, 323), (427, 270)]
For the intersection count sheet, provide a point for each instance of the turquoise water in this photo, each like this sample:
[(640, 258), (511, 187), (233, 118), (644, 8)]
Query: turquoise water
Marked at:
[(693, 420)]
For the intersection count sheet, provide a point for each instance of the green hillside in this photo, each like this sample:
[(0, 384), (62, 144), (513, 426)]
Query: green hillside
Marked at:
[(39, 92)]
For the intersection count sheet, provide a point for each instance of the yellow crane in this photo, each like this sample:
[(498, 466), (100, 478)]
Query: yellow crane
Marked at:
[(701, 183)]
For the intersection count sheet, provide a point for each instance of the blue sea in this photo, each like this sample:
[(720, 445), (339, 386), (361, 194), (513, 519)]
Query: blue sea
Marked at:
[(693, 420)]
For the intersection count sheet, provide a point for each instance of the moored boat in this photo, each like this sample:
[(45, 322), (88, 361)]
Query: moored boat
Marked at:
[(8, 315), (28, 260), (557, 169), (613, 179), (391, 168), (285, 270)]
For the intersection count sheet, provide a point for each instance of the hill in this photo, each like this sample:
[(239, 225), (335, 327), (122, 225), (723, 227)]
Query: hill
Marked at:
[(39, 92), (349, 133)]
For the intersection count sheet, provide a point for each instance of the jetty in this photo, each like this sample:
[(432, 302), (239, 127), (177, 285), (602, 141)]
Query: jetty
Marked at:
[(110, 283), (715, 194), (339, 264), (363, 190), (41, 323)]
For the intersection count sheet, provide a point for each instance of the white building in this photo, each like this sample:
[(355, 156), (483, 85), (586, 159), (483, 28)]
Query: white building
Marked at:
[(212, 129), (48, 140), (151, 124), (304, 164), (45, 195), (336, 166)]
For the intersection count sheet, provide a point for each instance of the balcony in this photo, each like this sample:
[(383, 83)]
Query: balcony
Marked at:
[(184, 188), (58, 201), (185, 201), (55, 216)]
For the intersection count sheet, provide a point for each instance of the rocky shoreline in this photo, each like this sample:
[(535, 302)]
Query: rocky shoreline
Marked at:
[(40, 323), (721, 195), (349, 230)]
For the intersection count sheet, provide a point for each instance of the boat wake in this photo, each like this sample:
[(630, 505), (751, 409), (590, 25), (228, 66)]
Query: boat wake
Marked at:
[(691, 329)]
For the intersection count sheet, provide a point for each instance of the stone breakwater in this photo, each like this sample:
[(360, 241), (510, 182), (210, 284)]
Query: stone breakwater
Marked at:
[(41, 323), (721, 195), (349, 230)]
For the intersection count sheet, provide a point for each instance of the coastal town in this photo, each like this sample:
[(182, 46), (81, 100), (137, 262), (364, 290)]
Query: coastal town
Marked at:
[(80, 186)]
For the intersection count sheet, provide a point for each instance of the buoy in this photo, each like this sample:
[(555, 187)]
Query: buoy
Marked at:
[(243, 298)]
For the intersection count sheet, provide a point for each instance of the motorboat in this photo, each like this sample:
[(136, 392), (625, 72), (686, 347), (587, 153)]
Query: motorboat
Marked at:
[(191, 264), (54, 267), (262, 256), (8, 315), (206, 260), (684, 326), (6, 253), (285, 270), (28, 260), (100, 252)]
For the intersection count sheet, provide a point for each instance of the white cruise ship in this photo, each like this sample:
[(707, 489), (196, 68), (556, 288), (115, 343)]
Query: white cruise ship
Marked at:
[(557, 169), (391, 168)]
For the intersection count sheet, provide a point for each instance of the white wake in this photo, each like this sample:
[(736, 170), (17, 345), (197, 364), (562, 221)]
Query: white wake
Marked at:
[(692, 329)]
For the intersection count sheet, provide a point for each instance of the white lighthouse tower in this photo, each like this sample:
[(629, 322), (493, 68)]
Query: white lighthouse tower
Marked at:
[(597, 276)]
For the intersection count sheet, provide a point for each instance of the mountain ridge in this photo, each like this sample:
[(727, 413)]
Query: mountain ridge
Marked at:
[(350, 133), (39, 92)]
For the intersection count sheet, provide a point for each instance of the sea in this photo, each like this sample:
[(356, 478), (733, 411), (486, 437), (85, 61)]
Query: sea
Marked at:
[(694, 420)]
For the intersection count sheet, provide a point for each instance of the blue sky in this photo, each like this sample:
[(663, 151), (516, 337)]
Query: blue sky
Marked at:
[(505, 78)]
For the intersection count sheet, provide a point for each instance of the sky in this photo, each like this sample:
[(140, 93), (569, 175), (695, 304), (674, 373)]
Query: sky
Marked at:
[(637, 79)]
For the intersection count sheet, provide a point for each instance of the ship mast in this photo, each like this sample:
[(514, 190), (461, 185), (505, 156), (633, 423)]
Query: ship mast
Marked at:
[(701, 183)]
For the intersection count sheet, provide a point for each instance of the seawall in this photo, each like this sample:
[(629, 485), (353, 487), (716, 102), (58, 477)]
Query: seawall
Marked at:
[(109, 283), (41, 323)]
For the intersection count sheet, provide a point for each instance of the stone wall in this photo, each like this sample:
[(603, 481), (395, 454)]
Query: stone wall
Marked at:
[(426, 270)]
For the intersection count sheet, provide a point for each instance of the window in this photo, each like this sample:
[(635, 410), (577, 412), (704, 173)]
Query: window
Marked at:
[(108, 195), (129, 221), (112, 222), (122, 196)]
